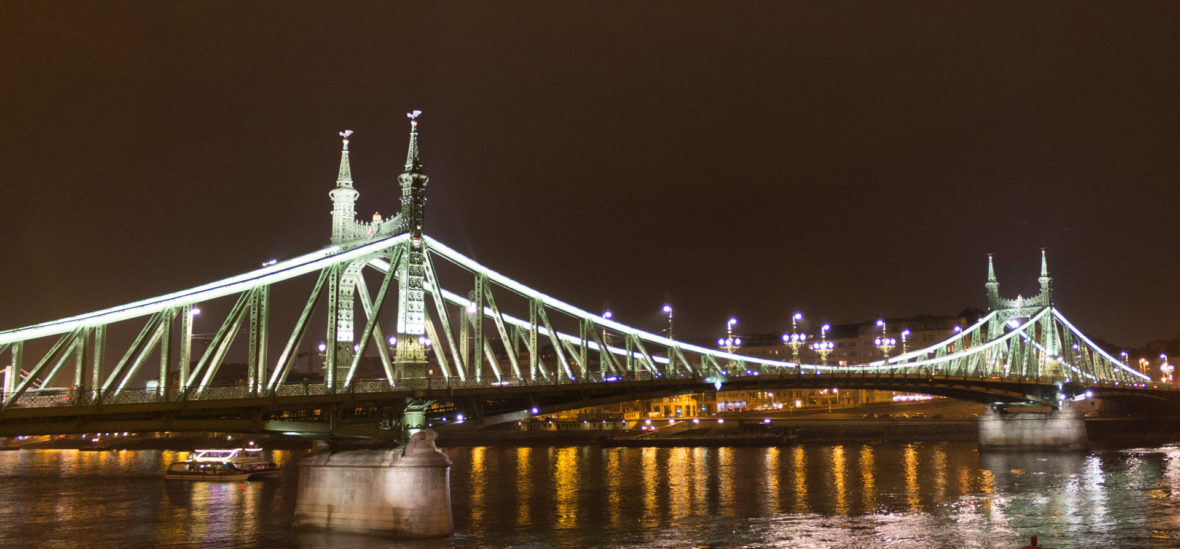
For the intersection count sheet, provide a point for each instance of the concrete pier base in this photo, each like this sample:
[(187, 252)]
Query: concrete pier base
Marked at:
[(1062, 429), (393, 493)]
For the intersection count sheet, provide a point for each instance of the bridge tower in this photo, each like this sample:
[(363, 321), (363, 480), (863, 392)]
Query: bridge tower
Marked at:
[(348, 232), (412, 340), (1016, 310)]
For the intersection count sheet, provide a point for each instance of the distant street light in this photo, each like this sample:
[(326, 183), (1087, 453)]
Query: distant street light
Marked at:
[(668, 311), (795, 340), (729, 342), (823, 347), (884, 343), (607, 315), (905, 334)]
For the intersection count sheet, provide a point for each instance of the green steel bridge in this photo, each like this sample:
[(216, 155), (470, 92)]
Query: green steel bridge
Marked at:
[(482, 347)]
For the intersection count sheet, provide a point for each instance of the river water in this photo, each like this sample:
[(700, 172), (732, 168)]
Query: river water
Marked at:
[(806, 495)]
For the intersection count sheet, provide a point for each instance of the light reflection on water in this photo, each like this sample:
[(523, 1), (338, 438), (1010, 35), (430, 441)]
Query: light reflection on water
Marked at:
[(862, 495)]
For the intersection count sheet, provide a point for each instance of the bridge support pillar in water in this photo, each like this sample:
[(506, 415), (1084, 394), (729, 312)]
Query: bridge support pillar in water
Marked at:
[(398, 493), (1060, 429)]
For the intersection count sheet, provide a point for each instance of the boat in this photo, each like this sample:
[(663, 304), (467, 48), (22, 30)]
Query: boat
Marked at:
[(221, 465)]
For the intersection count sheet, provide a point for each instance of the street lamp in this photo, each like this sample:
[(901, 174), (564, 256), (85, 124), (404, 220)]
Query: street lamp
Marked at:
[(1166, 368), (884, 343), (729, 343), (823, 347), (607, 315), (795, 340), (668, 311), (905, 334)]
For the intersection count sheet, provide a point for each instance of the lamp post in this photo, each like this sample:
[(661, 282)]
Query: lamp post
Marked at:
[(1166, 368), (607, 314), (729, 343), (323, 349), (884, 343), (905, 334), (823, 347), (668, 311), (795, 340)]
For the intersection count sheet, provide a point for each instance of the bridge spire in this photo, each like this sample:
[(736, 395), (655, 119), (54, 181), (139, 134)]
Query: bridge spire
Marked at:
[(411, 318), (343, 197), (413, 183), (992, 285), (1045, 280), (413, 161)]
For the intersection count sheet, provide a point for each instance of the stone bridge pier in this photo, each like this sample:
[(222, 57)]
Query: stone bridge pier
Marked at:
[(404, 492), (1059, 429)]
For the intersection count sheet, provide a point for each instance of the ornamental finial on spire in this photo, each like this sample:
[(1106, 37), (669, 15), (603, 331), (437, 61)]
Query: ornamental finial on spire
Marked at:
[(1044, 264), (413, 161), (344, 176), (991, 269)]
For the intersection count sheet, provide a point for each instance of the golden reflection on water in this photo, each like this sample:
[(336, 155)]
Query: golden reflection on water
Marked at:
[(700, 485), (725, 482), (614, 484), (773, 492), (799, 457), (524, 487), (939, 459), (964, 481), (838, 479), (565, 486), (912, 497), (478, 484), (680, 479), (987, 485), (868, 479), (649, 469)]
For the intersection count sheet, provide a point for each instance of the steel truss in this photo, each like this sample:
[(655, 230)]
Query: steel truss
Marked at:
[(476, 342)]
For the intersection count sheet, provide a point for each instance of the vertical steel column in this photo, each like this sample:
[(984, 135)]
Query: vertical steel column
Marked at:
[(252, 354), (630, 354), (100, 351), (166, 351), (13, 370), (464, 346), (477, 325), (583, 328), (333, 297), (80, 363), (186, 347), (534, 353)]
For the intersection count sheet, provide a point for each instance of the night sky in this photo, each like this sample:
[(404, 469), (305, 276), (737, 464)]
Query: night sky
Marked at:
[(848, 160)]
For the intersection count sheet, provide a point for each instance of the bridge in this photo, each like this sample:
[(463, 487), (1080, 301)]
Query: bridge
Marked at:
[(468, 344)]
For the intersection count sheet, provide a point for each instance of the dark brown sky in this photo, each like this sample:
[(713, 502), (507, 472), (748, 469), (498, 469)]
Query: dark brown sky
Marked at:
[(845, 159)]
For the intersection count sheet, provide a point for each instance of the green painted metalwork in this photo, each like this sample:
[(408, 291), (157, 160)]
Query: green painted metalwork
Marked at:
[(287, 357), (1024, 338)]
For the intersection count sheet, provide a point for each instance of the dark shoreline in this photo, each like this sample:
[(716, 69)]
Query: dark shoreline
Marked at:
[(1103, 433)]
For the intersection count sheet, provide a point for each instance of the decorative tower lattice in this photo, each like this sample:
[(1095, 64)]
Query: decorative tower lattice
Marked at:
[(1046, 345), (343, 198), (411, 317), (411, 338)]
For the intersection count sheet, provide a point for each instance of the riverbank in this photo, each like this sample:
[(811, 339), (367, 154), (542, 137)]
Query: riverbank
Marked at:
[(736, 432)]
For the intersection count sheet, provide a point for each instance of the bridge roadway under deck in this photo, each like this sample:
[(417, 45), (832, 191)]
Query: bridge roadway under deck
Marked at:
[(312, 411)]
